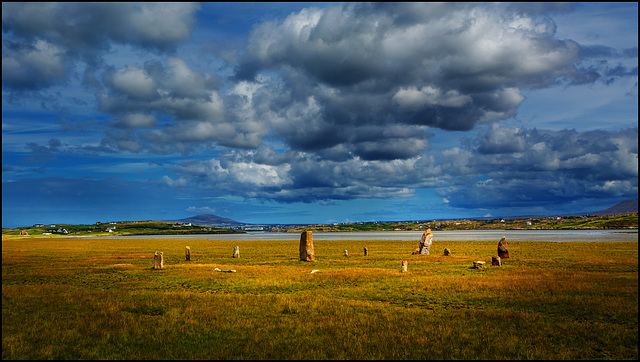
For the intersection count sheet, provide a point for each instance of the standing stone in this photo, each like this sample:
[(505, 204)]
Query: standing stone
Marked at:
[(503, 252), (478, 264), (495, 260), (404, 266), (447, 252), (306, 246), (157, 260), (366, 252), (236, 252), (187, 253), (425, 242), (345, 253)]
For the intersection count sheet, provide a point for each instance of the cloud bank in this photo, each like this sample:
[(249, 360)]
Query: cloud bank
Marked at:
[(336, 103)]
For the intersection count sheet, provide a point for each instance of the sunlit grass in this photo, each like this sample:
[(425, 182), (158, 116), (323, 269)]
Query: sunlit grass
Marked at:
[(102, 299)]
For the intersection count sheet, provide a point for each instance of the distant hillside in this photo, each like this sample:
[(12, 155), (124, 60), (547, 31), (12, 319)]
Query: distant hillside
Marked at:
[(208, 220), (623, 207)]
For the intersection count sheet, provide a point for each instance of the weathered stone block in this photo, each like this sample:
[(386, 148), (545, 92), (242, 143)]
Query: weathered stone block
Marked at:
[(404, 266), (447, 252), (366, 252), (236, 252), (478, 264), (495, 260), (187, 253)]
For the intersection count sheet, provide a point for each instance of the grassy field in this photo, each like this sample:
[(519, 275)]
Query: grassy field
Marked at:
[(74, 298)]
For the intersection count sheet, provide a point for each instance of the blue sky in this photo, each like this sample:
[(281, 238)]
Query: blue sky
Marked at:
[(316, 112)]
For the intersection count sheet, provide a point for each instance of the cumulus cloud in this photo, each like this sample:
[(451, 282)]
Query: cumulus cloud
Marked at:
[(546, 168), (518, 167), (347, 70), (52, 36), (84, 27), (338, 103), (195, 112), (300, 176), (32, 66)]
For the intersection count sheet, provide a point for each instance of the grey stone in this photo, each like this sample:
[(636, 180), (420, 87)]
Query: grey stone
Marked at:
[(236, 252), (187, 253), (495, 260), (425, 242)]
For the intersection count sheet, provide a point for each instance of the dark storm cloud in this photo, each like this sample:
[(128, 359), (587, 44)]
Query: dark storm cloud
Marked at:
[(502, 167), (516, 167)]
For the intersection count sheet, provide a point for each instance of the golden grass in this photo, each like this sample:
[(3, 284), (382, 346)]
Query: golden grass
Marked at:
[(100, 299)]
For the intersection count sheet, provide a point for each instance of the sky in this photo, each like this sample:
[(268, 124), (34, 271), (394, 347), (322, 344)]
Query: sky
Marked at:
[(316, 112)]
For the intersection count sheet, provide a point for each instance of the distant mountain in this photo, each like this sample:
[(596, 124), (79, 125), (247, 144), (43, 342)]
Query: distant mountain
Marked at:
[(623, 207), (208, 220)]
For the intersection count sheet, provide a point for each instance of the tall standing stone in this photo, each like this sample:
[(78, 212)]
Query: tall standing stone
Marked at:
[(306, 246), (366, 251), (503, 252), (157, 260), (187, 253), (346, 253), (425, 242), (404, 266), (236, 252)]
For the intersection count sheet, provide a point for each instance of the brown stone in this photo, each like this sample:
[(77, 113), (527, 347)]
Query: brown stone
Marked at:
[(158, 260), (306, 246), (187, 253), (425, 242), (404, 266), (366, 252), (495, 260), (447, 252), (503, 252), (236, 252)]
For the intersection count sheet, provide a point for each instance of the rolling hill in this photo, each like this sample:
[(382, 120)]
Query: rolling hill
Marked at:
[(623, 207)]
